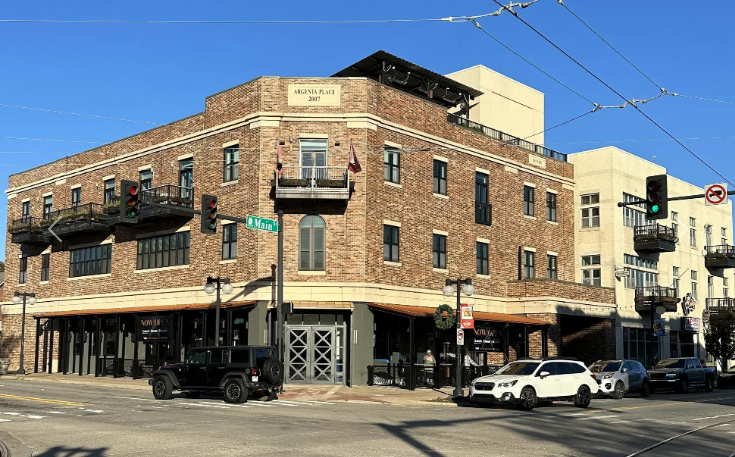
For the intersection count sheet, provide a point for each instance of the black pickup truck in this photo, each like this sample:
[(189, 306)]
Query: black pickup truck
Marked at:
[(681, 374)]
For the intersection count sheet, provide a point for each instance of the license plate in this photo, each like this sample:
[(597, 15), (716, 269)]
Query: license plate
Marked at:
[(254, 379)]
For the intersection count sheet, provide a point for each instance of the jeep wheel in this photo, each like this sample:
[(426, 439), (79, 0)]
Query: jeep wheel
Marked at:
[(235, 391), (646, 389), (192, 394), (583, 397), (162, 388), (527, 399), (619, 391), (709, 385), (272, 371)]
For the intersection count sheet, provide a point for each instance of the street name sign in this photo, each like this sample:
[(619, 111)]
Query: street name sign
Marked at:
[(259, 223), (715, 194)]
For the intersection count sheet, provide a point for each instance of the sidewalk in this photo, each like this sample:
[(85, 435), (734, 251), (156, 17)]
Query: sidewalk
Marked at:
[(357, 394)]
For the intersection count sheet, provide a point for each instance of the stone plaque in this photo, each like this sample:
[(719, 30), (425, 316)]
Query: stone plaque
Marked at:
[(314, 94), (533, 159)]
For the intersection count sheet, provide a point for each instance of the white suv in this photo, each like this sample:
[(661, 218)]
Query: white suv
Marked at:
[(527, 382)]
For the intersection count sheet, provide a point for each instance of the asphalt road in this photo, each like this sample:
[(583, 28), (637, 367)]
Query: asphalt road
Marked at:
[(67, 420)]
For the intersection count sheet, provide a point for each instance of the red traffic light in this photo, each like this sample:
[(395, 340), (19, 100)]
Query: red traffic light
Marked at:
[(653, 186), (212, 203), (133, 190)]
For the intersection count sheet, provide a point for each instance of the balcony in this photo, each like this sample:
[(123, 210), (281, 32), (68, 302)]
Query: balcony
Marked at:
[(504, 137), (314, 183), (30, 230), (720, 305), (483, 213), (177, 201), (654, 238), (653, 296), (86, 218), (722, 256)]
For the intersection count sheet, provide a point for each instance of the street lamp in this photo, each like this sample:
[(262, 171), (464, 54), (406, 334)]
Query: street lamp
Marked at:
[(217, 284), (448, 291), (18, 298)]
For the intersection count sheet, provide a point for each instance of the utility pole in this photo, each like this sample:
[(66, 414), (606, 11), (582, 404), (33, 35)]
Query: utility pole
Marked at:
[(280, 337)]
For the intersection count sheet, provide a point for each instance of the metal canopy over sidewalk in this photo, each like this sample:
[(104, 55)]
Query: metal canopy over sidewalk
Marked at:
[(144, 309), (425, 311)]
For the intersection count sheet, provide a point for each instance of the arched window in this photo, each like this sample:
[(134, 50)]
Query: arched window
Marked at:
[(311, 243)]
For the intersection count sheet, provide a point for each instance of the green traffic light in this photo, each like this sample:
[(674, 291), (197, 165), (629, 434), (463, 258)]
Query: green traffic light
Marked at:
[(655, 209), (130, 212)]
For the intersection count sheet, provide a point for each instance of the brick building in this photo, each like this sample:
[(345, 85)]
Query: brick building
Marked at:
[(366, 254)]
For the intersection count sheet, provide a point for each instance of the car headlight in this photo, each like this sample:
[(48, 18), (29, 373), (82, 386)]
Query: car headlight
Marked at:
[(507, 384), (670, 375), (608, 375)]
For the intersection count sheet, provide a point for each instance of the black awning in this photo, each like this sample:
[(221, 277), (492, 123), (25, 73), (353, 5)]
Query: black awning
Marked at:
[(409, 77)]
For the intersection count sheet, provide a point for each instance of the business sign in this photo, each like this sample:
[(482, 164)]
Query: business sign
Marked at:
[(485, 338), (259, 223), (715, 194), (460, 337), (690, 324), (658, 327), (466, 319), (314, 94), (155, 328)]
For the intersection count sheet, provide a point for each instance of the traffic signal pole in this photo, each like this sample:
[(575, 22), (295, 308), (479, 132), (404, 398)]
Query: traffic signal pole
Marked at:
[(671, 199), (280, 332)]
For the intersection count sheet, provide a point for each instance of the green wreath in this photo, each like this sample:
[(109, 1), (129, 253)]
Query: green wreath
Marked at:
[(441, 322)]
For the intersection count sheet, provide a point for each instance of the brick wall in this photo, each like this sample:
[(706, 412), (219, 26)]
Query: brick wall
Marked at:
[(587, 338), (560, 289)]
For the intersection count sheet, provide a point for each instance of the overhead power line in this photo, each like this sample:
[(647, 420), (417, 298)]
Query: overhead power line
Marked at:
[(45, 139), (650, 140), (76, 114), (619, 95), (145, 21), (705, 99)]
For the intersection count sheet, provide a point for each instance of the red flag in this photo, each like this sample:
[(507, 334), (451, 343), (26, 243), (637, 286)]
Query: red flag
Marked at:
[(279, 160), (354, 164)]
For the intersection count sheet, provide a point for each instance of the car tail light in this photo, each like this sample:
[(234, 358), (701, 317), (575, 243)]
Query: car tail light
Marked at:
[(255, 372), (593, 377)]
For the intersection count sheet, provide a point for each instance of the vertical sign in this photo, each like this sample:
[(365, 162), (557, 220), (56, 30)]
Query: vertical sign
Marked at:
[(460, 337), (467, 321)]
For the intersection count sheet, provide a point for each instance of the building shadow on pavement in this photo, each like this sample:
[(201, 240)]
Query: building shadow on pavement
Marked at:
[(64, 451)]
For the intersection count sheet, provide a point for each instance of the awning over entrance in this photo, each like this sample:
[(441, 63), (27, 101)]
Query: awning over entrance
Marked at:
[(145, 309), (425, 311)]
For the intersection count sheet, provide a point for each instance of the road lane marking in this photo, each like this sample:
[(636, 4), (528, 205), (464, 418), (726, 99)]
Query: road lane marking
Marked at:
[(41, 400), (632, 407), (598, 417), (205, 404), (8, 420), (284, 404), (713, 417), (253, 403), (141, 399)]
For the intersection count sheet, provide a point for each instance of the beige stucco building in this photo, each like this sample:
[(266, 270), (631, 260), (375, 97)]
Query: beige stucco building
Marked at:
[(604, 245)]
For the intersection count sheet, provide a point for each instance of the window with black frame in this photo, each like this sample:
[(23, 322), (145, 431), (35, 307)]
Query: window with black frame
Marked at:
[(95, 260), (550, 206), (483, 267), (186, 177), (76, 197), (392, 165), (23, 270), (145, 178), (390, 243), (25, 213), (551, 267), (528, 200), (312, 244), (163, 251), (439, 251), (482, 208), (45, 266), (529, 264), (109, 191), (232, 163), (229, 241), (440, 177), (48, 205)]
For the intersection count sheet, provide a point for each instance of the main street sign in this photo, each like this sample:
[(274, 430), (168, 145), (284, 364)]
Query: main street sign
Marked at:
[(259, 223)]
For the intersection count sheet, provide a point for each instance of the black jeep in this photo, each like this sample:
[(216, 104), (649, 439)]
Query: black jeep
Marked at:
[(233, 371)]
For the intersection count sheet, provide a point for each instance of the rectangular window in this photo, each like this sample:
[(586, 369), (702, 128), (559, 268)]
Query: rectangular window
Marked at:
[(592, 277), (391, 165), (145, 179), (692, 222), (674, 223), (95, 260), (440, 251), (109, 191), (232, 164), (163, 251), (694, 285), (528, 200), (483, 267), (710, 286), (529, 264), (693, 237), (76, 197), (440, 177), (25, 211), (676, 280), (639, 262), (313, 157), (45, 266), (482, 208), (723, 232), (550, 207), (390, 243), (590, 217), (186, 173), (48, 204), (588, 260), (708, 235), (229, 241), (590, 199), (633, 215), (23, 270), (725, 288), (551, 267)]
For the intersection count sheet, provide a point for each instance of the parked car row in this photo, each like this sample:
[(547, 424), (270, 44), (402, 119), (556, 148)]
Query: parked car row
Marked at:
[(529, 382)]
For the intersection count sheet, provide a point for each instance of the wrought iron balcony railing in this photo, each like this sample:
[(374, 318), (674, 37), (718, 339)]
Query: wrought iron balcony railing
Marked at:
[(654, 238), (77, 213), (504, 137), (26, 224), (169, 194), (720, 305), (483, 213), (719, 251), (314, 182)]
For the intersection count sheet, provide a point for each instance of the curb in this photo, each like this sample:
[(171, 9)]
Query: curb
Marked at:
[(10, 446)]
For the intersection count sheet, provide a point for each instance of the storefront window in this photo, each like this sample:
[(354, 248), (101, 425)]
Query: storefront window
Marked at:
[(636, 344), (674, 344)]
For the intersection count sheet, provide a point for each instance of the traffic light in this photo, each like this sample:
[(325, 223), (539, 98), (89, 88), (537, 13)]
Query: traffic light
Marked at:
[(209, 214), (657, 197), (129, 204)]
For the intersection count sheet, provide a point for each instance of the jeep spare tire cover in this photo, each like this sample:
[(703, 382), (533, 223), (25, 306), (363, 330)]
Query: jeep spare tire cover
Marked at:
[(272, 371)]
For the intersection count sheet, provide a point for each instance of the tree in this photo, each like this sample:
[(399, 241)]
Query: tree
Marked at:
[(2, 266), (719, 336)]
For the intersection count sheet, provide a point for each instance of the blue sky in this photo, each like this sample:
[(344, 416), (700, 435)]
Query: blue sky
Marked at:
[(162, 72)]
